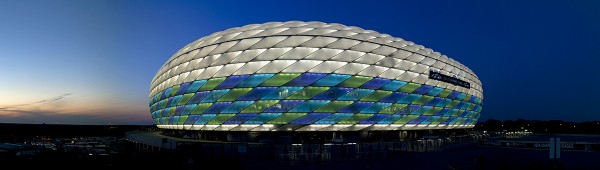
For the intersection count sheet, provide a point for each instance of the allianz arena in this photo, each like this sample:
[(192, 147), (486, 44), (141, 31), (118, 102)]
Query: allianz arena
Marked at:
[(312, 76)]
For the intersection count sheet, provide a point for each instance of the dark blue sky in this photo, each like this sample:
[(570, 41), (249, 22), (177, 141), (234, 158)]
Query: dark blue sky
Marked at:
[(91, 62)]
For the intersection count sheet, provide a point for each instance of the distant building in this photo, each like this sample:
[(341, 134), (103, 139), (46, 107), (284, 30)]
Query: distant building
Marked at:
[(312, 76)]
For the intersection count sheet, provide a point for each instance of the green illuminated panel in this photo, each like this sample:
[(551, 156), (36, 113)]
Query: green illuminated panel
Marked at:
[(440, 120), (430, 120), (452, 104), (421, 101), (171, 111), (286, 118), (468, 106), (459, 121), (393, 108), (186, 98), (219, 119), (461, 96), (212, 83), (355, 81), (182, 119), (234, 94), (432, 111), (334, 106), (466, 98), (406, 119), (458, 113), (158, 95), (153, 108), (410, 87), (355, 118), (163, 103), (307, 93), (376, 96), (450, 112), (471, 114), (262, 118), (259, 106), (280, 79), (201, 108), (174, 91), (445, 93)]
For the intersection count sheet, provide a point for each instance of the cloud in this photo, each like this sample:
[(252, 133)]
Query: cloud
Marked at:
[(57, 98), (54, 99)]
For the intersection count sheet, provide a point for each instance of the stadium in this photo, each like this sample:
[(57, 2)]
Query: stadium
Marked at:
[(311, 76)]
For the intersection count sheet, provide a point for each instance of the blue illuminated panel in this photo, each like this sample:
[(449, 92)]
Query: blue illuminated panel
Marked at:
[(195, 86), (198, 97), (435, 91), (305, 79), (192, 119), (257, 93), (375, 83), (375, 108), (240, 118), (310, 118), (424, 89), (214, 95), (391, 119), (237, 106), (434, 102), (356, 94), (394, 97), (282, 93), (374, 119), (231, 82), (334, 118), (356, 107), (393, 85), (262, 118), (204, 118), (309, 106), (254, 80), (418, 120), (217, 107), (183, 88), (331, 80)]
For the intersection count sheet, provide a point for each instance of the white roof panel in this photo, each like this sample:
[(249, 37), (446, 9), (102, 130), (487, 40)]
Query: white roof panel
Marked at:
[(327, 67)]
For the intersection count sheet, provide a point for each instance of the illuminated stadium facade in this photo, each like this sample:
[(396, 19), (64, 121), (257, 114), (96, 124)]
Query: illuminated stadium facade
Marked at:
[(311, 76)]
